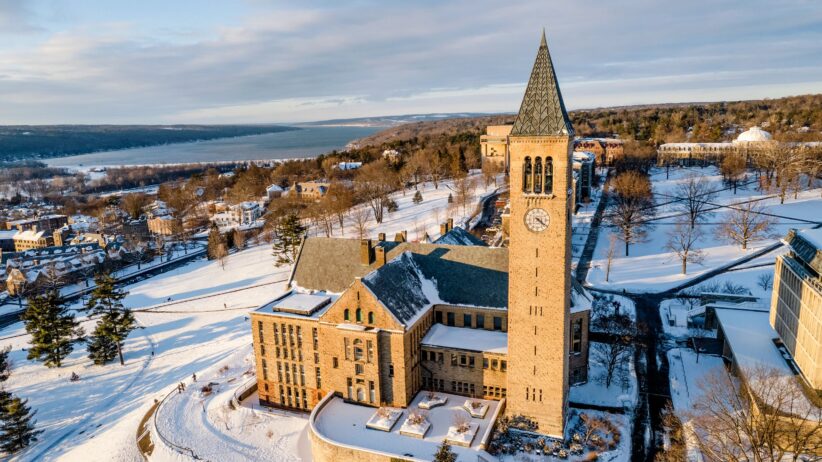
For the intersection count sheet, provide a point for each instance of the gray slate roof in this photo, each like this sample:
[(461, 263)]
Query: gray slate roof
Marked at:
[(542, 111)]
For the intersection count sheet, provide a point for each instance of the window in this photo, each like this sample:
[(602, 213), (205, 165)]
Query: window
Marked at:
[(315, 338), (358, 352), (453, 359), (494, 364), (372, 393), (370, 347), (463, 360), (319, 377), (481, 321), (503, 365), (302, 375), (334, 362), (526, 175), (265, 371), (466, 320), (497, 323), (359, 315), (262, 350), (438, 317), (440, 358), (279, 371), (451, 317), (576, 336), (485, 363), (358, 369), (549, 175), (538, 175), (316, 358), (350, 388), (346, 315), (260, 330), (470, 361), (391, 370), (370, 317)]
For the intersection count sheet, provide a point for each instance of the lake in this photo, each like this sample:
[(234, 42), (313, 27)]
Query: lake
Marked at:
[(306, 142)]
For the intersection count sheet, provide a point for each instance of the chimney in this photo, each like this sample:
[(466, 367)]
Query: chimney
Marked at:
[(400, 237), (404, 236), (381, 237), (450, 224), (366, 252), (443, 228), (380, 250)]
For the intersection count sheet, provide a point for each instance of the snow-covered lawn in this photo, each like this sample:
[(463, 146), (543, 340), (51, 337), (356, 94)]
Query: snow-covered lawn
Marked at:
[(417, 219), (96, 418), (652, 268), (621, 393)]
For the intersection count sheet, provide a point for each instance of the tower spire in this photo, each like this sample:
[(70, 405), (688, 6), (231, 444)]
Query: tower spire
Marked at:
[(542, 111)]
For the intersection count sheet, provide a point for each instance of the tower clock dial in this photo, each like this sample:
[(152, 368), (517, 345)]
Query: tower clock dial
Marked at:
[(537, 220)]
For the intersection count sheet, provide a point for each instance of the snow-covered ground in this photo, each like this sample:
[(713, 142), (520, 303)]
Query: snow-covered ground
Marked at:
[(200, 329), (621, 393), (652, 268)]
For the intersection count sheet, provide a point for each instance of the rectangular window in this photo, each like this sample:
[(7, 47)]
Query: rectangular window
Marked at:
[(265, 371), (503, 365), (453, 359), (372, 392), (576, 336), (440, 358), (315, 338), (358, 369), (262, 350), (391, 370), (334, 362), (494, 364), (463, 360), (370, 346), (497, 323), (302, 375), (485, 363), (316, 358), (451, 318), (319, 378), (438, 317), (350, 388), (260, 330), (466, 319), (347, 349), (480, 321), (279, 371), (470, 361)]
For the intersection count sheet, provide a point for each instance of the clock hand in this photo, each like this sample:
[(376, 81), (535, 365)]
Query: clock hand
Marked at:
[(540, 221)]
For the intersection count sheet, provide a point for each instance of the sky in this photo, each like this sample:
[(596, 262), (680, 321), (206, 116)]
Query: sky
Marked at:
[(256, 61)]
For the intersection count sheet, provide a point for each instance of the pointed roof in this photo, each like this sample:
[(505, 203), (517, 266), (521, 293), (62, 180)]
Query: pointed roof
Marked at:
[(542, 111)]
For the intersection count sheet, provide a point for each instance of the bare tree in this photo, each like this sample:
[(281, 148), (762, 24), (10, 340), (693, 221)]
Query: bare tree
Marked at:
[(464, 192), (766, 418), (745, 223), (375, 182), (765, 281), (133, 204), (693, 199), (436, 166), (682, 239), (339, 200), (630, 206), (359, 220), (733, 168), (609, 254), (614, 354)]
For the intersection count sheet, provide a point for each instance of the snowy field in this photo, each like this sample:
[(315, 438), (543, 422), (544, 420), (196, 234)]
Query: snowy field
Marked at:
[(199, 330), (652, 268)]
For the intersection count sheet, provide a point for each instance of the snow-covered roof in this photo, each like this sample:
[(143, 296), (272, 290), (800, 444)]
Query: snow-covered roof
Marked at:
[(459, 236), (402, 288), (29, 235), (301, 303), (464, 338), (813, 236), (274, 188), (754, 134)]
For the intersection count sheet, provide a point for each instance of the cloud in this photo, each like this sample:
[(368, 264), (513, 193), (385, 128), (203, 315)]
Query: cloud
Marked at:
[(16, 18), (309, 61)]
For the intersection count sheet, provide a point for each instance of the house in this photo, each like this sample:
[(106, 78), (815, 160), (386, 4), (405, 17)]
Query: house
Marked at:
[(273, 191), (348, 165), (309, 190)]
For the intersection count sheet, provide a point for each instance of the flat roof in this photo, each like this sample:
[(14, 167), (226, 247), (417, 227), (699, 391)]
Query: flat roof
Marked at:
[(344, 424), (298, 304), (464, 338)]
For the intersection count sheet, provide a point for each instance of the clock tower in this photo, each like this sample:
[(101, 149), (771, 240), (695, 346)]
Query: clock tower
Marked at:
[(539, 267)]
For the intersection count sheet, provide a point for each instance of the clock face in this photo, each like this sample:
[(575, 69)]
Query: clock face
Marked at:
[(537, 220)]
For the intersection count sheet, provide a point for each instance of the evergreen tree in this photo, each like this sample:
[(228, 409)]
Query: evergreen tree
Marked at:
[(392, 206), (450, 198), (228, 238), (53, 330), (444, 453), (5, 364), (288, 235), (417, 197), (115, 323), (16, 425)]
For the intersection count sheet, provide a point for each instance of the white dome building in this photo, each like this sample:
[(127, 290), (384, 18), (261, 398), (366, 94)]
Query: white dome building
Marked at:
[(753, 135)]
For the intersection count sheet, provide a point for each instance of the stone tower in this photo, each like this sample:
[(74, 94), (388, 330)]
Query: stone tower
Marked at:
[(539, 287)]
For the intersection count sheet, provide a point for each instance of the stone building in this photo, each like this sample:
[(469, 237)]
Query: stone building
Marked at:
[(32, 238), (309, 190), (796, 302), (605, 150), (376, 322)]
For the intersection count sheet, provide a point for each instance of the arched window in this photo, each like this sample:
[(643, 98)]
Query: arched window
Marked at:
[(370, 317), (527, 179), (549, 175), (358, 351), (346, 315), (538, 175), (359, 315)]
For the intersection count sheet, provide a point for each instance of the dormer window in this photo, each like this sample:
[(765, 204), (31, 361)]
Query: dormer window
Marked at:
[(346, 315), (359, 315)]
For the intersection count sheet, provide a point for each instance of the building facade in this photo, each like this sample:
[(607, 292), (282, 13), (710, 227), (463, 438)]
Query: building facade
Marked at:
[(796, 302), (376, 322)]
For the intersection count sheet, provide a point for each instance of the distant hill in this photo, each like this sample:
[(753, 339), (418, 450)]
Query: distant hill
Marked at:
[(393, 120), (26, 142), (791, 118)]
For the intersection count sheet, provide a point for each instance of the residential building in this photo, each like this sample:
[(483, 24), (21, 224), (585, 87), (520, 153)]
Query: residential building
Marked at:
[(32, 238), (43, 222), (796, 302), (165, 225), (309, 190)]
